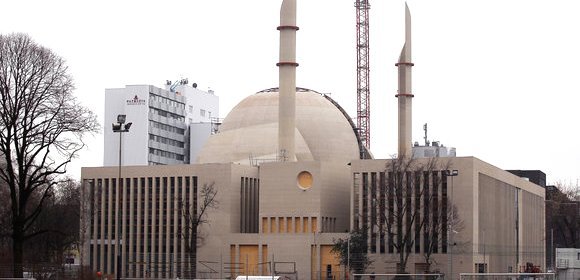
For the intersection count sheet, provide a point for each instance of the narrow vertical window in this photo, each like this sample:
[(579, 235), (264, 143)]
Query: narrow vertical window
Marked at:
[(390, 211), (365, 203), (382, 217), (373, 220)]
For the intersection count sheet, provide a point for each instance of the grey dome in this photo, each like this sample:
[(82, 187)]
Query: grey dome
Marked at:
[(250, 131)]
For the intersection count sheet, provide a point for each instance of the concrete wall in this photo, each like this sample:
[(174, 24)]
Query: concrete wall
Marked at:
[(281, 195), (283, 201), (486, 198), (489, 201), (222, 220), (497, 224), (531, 215), (335, 197), (198, 135)]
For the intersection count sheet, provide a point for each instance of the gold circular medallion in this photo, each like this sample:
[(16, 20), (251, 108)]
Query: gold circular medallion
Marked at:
[(304, 180)]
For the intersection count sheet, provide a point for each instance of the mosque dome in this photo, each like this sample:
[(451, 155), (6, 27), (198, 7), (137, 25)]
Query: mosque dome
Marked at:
[(249, 133)]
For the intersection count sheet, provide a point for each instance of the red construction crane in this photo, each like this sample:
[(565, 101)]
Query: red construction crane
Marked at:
[(362, 76)]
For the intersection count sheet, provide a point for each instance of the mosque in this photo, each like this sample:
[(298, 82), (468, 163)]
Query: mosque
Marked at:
[(289, 178)]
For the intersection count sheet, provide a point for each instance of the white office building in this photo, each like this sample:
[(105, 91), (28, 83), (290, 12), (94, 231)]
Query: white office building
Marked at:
[(434, 149), (168, 125), (568, 263)]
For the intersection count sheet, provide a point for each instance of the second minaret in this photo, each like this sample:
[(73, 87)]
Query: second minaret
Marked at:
[(404, 93)]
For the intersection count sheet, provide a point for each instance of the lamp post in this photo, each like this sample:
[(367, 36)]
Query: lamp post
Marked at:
[(119, 127), (451, 173), (348, 258)]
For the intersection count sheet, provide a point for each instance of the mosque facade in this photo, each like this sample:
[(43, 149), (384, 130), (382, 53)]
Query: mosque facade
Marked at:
[(288, 179)]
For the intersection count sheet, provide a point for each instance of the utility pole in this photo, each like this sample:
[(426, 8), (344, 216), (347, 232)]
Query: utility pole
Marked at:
[(451, 173)]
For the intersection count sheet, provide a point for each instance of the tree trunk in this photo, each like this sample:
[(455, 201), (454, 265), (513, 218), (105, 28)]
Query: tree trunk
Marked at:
[(401, 265), (17, 250), (194, 262), (193, 254), (401, 269)]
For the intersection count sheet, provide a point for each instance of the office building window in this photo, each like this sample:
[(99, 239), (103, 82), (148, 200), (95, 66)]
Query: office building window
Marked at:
[(165, 100), (165, 154), (167, 114), (166, 140), (166, 127), (202, 112)]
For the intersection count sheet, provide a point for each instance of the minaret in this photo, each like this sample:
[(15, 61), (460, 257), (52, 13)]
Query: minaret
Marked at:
[(404, 94), (287, 79)]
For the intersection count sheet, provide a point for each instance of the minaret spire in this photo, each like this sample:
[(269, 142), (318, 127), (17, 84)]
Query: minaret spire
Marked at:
[(404, 94), (287, 81)]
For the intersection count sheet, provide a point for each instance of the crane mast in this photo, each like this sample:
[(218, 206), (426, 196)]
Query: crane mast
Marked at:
[(363, 77)]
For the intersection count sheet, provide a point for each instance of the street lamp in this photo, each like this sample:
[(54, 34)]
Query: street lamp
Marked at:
[(348, 258), (451, 173), (119, 127)]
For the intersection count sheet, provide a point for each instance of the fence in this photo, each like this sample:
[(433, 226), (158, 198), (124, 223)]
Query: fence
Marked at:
[(44, 271)]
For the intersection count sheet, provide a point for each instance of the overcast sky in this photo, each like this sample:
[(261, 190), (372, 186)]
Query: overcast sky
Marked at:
[(498, 80)]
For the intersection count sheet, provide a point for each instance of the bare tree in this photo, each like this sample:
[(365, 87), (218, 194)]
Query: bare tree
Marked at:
[(61, 220), (195, 215), (87, 209), (413, 204), (5, 229), (451, 224), (41, 130), (562, 214)]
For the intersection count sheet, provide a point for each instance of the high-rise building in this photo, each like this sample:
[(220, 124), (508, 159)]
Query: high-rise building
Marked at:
[(167, 124)]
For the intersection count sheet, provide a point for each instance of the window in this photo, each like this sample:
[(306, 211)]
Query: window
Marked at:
[(202, 112), (165, 100), (166, 154), (166, 127), (164, 140), (167, 114)]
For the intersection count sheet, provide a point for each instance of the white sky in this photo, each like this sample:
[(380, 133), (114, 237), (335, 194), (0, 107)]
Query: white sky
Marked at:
[(496, 79)]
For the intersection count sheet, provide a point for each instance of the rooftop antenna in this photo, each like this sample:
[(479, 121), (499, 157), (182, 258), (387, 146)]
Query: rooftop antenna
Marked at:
[(178, 82), (425, 129)]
